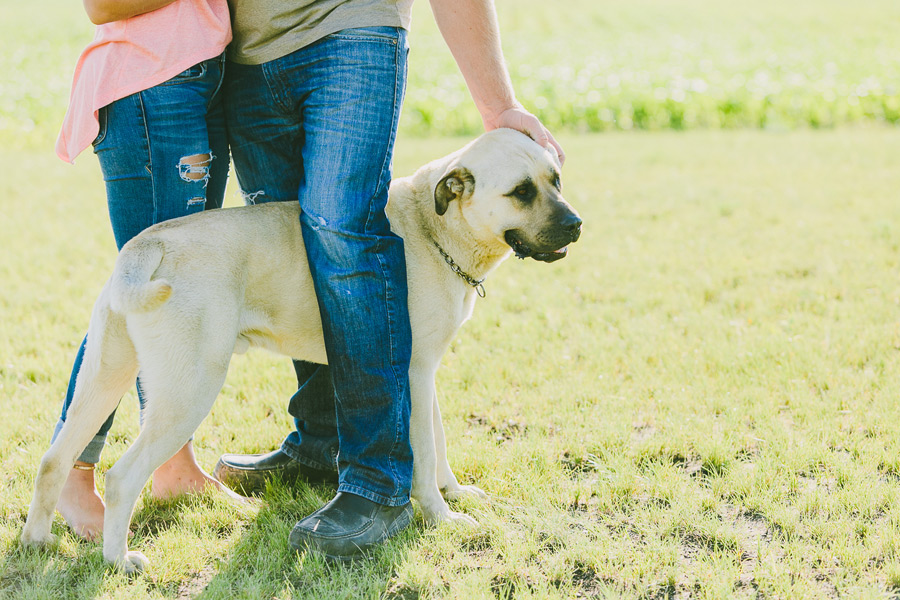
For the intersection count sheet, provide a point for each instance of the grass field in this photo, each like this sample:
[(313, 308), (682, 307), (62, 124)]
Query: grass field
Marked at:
[(582, 65), (700, 401), (598, 65)]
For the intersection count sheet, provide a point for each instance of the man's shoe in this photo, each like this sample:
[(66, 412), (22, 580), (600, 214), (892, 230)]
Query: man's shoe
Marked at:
[(249, 472), (348, 526)]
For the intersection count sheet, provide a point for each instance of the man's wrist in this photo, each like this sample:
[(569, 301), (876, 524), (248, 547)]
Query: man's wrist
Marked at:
[(493, 117)]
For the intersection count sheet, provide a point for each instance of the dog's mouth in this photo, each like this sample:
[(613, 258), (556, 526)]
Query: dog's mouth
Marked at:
[(523, 250)]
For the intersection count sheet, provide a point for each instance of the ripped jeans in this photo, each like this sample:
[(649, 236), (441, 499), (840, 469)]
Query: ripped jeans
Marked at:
[(164, 154)]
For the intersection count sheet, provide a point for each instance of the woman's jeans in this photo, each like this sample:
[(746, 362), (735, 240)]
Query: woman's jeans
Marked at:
[(318, 126), (164, 154)]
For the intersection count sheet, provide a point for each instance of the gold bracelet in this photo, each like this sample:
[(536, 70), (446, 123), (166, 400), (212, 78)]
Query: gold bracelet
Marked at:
[(83, 467)]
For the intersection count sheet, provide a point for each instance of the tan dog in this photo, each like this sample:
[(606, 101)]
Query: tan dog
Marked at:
[(188, 293)]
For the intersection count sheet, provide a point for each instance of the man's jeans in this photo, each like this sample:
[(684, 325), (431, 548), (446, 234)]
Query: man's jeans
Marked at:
[(318, 126), (142, 141)]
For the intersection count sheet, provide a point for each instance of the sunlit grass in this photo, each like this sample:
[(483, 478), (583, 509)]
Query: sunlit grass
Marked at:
[(582, 65), (701, 399), (592, 65)]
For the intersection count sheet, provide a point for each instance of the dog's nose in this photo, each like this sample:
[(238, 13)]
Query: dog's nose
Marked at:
[(572, 225)]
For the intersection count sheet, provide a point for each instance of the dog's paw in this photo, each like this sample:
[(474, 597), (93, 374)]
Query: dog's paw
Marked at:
[(133, 562), (30, 538), (461, 519), (463, 491), (37, 535), (445, 515)]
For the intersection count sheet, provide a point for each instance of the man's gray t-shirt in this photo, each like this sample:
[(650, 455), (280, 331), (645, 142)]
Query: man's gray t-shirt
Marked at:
[(268, 29)]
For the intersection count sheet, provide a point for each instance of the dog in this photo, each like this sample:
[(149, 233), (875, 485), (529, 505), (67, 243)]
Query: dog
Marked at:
[(188, 293)]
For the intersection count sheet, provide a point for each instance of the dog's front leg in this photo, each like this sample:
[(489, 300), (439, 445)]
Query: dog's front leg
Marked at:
[(421, 436), (446, 480)]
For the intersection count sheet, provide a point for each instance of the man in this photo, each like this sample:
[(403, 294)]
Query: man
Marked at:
[(313, 96)]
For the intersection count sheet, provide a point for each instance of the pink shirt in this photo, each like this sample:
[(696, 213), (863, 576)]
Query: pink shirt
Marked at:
[(134, 54)]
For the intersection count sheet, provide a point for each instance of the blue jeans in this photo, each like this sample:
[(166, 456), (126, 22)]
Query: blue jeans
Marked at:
[(164, 154), (318, 126)]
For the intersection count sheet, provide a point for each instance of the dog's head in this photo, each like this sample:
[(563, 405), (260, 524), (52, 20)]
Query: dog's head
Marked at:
[(507, 188)]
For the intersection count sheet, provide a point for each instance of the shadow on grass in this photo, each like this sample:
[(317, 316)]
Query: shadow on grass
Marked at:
[(62, 570), (263, 565), (260, 563)]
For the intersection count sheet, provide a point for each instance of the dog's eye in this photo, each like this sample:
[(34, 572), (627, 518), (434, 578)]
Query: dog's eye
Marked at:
[(524, 192), (556, 182)]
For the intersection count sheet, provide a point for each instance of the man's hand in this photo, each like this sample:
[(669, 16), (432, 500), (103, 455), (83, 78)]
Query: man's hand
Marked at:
[(521, 120), (470, 29)]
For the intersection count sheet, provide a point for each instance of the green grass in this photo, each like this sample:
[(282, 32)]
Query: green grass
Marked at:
[(588, 65), (582, 65), (700, 401)]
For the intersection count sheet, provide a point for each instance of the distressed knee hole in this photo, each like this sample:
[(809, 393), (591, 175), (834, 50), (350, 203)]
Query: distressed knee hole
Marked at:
[(195, 167)]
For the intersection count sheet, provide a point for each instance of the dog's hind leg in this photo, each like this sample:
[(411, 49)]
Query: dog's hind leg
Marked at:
[(179, 396), (108, 370)]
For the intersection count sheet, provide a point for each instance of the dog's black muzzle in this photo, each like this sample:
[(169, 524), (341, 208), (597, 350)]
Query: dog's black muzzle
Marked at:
[(551, 244)]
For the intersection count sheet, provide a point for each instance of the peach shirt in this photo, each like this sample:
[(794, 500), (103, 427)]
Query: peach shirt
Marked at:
[(134, 54)]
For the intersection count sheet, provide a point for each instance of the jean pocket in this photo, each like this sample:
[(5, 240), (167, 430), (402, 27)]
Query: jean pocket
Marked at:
[(191, 73), (389, 35), (101, 133)]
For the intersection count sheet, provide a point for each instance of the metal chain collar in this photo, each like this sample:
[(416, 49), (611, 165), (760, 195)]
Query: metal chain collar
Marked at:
[(475, 283)]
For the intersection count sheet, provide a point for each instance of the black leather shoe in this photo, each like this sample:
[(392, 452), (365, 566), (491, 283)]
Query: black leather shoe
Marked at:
[(249, 472), (348, 526)]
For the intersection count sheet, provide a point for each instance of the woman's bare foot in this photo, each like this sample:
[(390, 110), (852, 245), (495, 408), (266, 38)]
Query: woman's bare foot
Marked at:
[(80, 504), (82, 507), (182, 475)]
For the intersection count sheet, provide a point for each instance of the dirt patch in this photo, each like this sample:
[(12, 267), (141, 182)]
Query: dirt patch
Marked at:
[(550, 542), (586, 582), (752, 541), (753, 532), (508, 430), (576, 464), (807, 485), (642, 432), (477, 420), (504, 431), (479, 546), (652, 501), (691, 465), (400, 591), (625, 527), (506, 586), (827, 589), (192, 587)]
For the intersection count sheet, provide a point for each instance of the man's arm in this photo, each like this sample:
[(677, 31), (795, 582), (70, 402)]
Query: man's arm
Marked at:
[(470, 29), (106, 11)]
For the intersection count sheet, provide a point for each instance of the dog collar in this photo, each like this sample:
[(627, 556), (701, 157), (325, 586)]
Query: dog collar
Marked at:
[(478, 284)]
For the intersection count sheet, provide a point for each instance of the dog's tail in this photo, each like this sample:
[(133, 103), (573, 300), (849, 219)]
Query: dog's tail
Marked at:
[(132, 286)]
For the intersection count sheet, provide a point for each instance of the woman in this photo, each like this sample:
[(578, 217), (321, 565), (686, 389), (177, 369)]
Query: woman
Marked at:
[(147, 92)]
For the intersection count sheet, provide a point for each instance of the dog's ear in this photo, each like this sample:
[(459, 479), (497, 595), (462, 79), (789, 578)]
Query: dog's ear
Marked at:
[(458, 184)]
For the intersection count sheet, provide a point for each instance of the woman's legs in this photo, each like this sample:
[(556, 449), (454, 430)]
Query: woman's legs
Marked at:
[(164, 154)]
